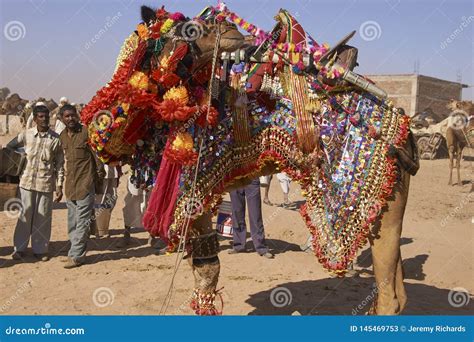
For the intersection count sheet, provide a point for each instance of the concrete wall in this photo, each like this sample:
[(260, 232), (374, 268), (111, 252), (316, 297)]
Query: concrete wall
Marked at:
[(401, 90), (434, 94), (418, 93)]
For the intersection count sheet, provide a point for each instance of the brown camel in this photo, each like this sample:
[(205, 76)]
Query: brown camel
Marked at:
[(459, 134), (384, 236), (13, 105)]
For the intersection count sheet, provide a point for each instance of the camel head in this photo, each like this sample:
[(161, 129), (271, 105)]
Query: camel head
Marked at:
[(13, 104), (466, 106), (198, 33), (166, 58)]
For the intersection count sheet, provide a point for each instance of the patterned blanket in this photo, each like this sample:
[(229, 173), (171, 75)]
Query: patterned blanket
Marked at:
[(345, 189)]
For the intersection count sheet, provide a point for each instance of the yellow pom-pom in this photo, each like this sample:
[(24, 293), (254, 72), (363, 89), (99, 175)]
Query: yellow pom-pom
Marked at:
[(179, 94), (164, 62), (139, 80), (125, 107), (183, 141), (167, 26), (142, 31)]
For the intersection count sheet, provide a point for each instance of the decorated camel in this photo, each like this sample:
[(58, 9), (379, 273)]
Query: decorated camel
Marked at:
[(459, 134), (196, 125)]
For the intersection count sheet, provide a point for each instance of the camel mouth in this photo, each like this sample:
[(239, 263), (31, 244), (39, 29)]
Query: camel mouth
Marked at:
[(231, 41)]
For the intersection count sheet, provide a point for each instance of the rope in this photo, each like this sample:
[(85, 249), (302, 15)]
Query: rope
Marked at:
[(182, 241)]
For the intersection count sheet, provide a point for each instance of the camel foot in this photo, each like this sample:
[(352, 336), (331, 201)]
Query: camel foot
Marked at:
[(206, 274)]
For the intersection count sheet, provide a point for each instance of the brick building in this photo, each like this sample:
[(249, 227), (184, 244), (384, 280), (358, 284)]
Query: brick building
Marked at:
[(419, 93)]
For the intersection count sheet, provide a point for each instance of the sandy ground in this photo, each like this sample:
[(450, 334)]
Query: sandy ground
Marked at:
[(436, 248)]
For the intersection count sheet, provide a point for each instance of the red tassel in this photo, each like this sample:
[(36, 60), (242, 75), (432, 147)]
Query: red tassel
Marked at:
[(177, 55), (134, 130)]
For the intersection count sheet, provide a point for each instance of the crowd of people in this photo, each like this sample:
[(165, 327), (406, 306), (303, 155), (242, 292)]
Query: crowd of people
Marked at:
[(60, 162)]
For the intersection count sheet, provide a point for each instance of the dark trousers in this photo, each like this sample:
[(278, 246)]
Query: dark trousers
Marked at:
[(254, 202)]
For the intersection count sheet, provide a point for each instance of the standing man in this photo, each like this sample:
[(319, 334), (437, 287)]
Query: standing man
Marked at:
[(82, 170), (43, 173), (105, 200), (56, 123), (254, 202), (285, 187), (136, 201)]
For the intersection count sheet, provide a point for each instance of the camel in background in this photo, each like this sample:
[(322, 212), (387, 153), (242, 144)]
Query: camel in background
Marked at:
[(459, 134), (13, 105)]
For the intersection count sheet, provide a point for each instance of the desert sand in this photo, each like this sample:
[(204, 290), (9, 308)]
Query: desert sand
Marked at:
[(436, 248)]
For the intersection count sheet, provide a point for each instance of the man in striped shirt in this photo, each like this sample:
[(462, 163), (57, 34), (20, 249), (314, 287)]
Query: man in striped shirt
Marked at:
[(43, 175)]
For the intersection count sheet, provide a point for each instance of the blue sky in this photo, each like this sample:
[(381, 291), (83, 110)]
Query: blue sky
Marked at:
[(46, 46)]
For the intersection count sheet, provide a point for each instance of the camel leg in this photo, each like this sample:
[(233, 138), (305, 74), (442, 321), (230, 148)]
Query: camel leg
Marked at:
[(451, 164), (458, 164), (399, 287), (385, 242), (205, 265)]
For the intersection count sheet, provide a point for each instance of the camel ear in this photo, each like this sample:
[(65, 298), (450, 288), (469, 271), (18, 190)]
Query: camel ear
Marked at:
[(148, 14)]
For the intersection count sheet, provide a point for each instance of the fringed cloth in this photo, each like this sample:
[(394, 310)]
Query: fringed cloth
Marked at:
[(345, 193), (161, 206)]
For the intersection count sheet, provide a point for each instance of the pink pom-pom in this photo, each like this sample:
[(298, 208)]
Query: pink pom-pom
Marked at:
[(178, 16)]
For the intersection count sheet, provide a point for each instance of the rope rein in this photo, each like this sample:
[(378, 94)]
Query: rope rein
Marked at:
[(182, 241)]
